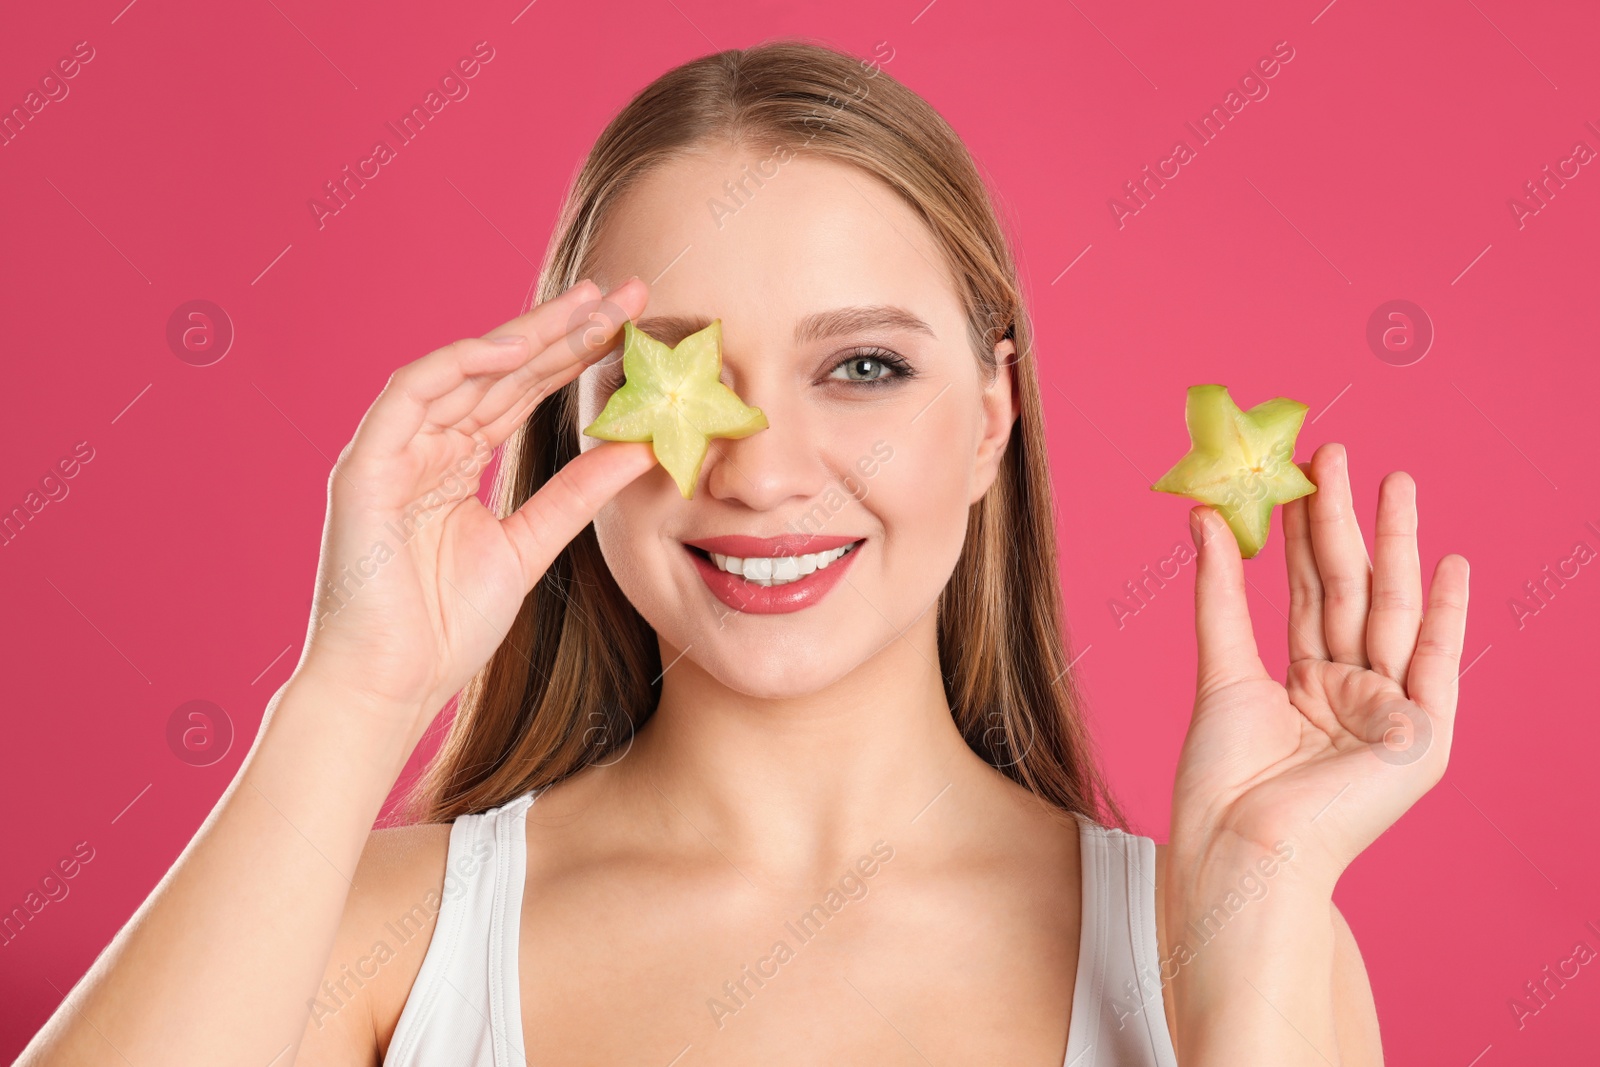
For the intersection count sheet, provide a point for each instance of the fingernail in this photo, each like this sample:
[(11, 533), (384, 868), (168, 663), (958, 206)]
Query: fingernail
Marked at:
[(514, 339)]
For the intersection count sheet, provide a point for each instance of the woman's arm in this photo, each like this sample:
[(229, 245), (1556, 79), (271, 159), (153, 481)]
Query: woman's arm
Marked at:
[(1270, 978), (217, 964), (1355, 1013), (220, 962)]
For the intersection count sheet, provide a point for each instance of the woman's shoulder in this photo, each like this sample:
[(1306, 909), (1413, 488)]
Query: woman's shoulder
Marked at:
[(403, 866), (391, 850)]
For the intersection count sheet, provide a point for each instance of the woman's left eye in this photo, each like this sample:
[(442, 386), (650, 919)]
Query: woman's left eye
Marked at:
[(895, 366)]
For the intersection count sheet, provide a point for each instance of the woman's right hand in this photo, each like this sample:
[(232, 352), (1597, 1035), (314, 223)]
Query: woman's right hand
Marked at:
[(418, 581)]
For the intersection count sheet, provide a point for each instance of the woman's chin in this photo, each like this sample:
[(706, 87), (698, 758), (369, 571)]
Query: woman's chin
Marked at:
[(753, 667)]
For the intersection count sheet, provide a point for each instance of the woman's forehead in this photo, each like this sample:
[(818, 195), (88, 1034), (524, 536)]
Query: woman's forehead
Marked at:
[(792, 237)]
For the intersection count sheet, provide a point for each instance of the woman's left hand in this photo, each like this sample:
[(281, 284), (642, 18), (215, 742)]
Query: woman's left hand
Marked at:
[(1362, 728)]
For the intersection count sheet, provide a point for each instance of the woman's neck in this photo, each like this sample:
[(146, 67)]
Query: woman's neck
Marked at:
[(794, 784)]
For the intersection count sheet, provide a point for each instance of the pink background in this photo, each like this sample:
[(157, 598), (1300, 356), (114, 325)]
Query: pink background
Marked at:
[(1379, 166)]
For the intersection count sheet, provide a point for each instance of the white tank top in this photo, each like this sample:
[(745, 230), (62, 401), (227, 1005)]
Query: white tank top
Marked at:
[(465, 1010)]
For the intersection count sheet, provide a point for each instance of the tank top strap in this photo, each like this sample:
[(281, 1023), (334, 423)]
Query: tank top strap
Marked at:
[(1118, 1019), (464, 1009)]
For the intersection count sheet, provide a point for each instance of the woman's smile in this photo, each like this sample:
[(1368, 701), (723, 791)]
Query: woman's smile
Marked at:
[(772, 575)]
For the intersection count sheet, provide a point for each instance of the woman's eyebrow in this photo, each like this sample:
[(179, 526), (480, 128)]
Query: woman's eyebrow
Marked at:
[(859, 319), (671, 329)]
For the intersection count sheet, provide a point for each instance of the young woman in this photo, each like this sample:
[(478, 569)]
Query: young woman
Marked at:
[(694, 811)]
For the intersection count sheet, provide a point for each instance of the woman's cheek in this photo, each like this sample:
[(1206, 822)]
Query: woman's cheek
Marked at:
[(628, 528), (862, 461), (911, 482), (930, 477), (930, 452)]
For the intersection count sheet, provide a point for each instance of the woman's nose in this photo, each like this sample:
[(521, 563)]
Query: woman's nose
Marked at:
[(772, 466)]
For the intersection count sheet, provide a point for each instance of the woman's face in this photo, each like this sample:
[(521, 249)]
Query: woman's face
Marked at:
[(802, 259)]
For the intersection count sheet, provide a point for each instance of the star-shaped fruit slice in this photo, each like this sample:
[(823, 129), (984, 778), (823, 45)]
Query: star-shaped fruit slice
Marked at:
[(1240, 462), (675, 399)]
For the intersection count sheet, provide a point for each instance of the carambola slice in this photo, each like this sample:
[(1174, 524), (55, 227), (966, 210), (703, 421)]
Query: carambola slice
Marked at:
[(675, 399), (1240, 462)]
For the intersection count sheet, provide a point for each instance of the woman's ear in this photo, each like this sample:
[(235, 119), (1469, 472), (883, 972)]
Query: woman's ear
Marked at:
[(1001, 404)]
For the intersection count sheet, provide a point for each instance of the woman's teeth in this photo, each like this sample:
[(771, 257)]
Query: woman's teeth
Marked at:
[(778, 570)]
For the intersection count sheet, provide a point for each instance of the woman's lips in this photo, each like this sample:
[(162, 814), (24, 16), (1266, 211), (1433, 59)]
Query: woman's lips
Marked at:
[(738, 593)]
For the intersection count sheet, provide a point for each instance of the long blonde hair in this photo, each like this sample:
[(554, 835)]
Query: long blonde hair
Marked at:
[(580, 669)]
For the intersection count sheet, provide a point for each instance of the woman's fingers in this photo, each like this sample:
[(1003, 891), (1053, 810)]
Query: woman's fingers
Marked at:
[(557, 350), (1436, 665), (549, 519), (1226, 644), (497, 403), (594, 327), (1305, 584), (1396, 579), (412, 398), (1342, 563)]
